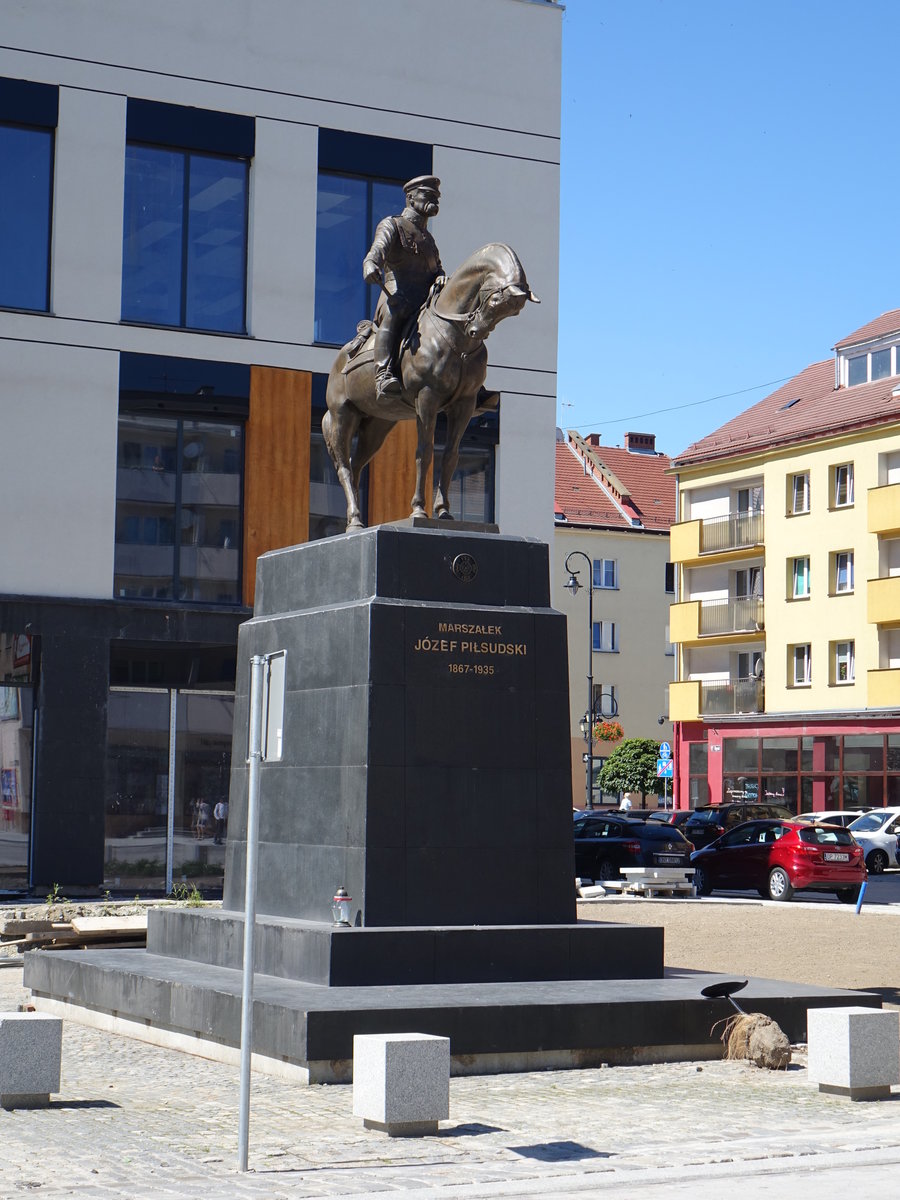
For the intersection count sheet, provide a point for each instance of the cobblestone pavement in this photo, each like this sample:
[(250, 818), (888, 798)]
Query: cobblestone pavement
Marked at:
[(135, 1121)]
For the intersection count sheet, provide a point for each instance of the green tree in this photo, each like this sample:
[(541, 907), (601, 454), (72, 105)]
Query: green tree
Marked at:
[(632, 768)]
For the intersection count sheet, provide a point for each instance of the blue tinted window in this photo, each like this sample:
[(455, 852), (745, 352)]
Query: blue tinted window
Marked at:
[(348, 210), (216, 239), (184, 240), (151, 248), (26, 169)]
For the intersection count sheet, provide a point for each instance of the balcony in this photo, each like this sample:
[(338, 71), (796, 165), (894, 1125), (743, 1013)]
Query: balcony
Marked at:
[(737, 534), (884, 688), (883, 510), (883, 596), (694, 620), (692, 699)]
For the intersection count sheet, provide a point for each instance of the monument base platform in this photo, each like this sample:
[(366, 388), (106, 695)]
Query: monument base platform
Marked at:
[(336, 956), (305, 1031)]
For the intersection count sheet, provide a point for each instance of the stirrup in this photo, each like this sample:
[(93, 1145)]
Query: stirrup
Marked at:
[(387, 384)]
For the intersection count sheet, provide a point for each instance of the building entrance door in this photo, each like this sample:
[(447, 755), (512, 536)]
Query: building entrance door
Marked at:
[(168, 757)]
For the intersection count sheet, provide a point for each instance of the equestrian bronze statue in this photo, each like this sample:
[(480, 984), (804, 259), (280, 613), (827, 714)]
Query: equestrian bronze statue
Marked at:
[(439, 366)]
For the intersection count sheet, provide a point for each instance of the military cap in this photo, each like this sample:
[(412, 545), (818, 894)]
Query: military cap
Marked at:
[(430, 182)]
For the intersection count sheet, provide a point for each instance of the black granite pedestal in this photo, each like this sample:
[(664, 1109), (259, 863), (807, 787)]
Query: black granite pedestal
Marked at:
[(426, 762)]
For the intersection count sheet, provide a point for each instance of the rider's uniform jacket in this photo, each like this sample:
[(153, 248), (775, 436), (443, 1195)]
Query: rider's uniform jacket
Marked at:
[(408, 257)]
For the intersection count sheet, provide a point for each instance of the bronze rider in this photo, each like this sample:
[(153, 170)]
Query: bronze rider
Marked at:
[(405, 262)]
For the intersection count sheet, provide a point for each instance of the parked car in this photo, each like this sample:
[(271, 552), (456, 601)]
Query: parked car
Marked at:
[(606, 842), (668, 817), (876, 832), (837, 816), (779, 858), (712, 820)]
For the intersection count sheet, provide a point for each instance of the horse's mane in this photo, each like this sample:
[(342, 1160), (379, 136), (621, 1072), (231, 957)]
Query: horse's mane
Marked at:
[(495, 258)]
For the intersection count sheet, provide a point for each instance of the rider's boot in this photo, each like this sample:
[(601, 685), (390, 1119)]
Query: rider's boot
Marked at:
[(386, 382)]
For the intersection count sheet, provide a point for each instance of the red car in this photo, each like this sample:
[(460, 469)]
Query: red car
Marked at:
[(778, 858)]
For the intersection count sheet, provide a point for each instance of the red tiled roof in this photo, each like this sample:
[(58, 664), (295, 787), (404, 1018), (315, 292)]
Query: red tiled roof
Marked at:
[(888, 322), (820, 408), (583, 500)]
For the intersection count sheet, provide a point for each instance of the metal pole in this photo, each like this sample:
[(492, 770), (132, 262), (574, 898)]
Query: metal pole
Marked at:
[(590, 678), (170, 795), (257, 667)]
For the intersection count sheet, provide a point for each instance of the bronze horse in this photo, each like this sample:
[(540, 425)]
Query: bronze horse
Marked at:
[(443, 363)]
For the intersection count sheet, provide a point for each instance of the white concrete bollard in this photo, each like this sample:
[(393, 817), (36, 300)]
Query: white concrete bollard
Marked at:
[(401, 1082), (30, 1054), (854, 1052)]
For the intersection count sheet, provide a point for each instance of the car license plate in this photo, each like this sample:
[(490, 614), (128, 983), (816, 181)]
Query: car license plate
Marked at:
[(668, 860), (831, 856)]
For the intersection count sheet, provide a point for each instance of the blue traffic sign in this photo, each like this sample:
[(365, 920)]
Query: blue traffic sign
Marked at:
[(665, 768), (665, 750)]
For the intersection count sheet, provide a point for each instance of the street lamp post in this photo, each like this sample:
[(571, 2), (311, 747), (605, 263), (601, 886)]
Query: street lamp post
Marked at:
[(574, 587)]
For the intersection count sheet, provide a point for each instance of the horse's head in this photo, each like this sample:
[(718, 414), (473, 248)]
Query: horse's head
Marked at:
[(488, 286)]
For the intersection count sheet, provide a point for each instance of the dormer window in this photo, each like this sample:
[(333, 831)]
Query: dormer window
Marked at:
[(858, 370), (881, 364), (874, 364)]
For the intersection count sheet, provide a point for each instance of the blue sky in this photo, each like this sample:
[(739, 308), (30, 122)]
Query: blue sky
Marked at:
[(729, 202)]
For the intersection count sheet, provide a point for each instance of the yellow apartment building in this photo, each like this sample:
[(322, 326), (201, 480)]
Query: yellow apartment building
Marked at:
[(787, 554)]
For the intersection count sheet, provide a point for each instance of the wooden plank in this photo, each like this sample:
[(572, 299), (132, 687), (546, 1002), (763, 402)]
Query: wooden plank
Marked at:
[(276, 465), (109, 924)]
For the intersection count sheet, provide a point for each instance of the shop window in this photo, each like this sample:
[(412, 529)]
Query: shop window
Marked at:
[(360, 182), (28, 115), (740, 755), (863, 752), (18, 672), (184, 249), (779, 755)]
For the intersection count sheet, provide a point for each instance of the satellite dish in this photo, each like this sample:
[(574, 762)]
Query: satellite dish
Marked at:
[(759, 667)]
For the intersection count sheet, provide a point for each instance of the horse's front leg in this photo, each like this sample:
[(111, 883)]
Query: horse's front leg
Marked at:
[(458, 414), (426, 417)]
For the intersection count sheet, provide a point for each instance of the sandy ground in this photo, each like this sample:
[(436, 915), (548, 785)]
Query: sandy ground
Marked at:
[(818, 943)]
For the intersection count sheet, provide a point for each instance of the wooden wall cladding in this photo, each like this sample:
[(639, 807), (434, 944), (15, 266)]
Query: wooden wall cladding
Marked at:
[(276, 465), (392, 477)]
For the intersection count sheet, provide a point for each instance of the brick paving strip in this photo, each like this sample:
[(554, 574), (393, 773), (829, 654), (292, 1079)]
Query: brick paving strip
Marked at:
[(135, 1121)]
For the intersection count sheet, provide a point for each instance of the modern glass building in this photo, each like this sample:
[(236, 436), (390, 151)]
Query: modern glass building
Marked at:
[(185, 203)]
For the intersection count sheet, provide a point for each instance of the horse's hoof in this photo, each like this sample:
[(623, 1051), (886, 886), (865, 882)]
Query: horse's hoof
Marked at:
[(445, 515), (418, 512), (354, 525)]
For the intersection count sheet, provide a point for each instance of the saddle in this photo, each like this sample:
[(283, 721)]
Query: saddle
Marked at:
[(360, 348)]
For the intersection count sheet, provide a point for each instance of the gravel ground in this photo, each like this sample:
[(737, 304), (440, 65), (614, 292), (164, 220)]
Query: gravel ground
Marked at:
[(805, 943)]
